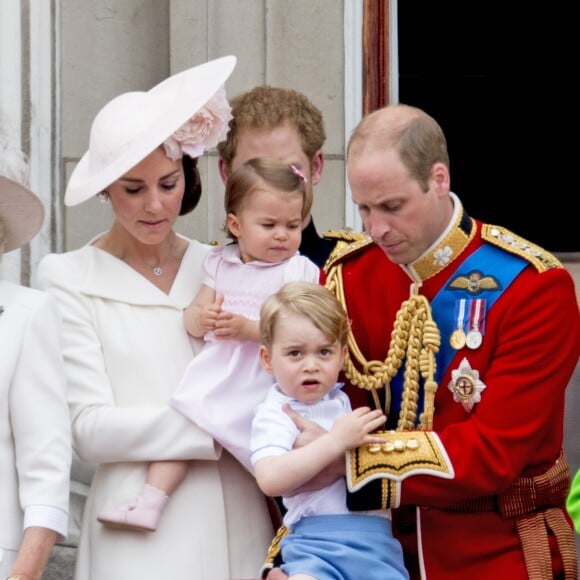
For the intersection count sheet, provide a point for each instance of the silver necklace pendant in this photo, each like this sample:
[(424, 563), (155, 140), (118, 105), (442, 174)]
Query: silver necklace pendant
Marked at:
[(157, 271)]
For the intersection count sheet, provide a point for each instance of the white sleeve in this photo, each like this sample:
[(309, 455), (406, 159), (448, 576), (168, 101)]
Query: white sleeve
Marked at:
[(273, 432), (103, 429), (40, 418)]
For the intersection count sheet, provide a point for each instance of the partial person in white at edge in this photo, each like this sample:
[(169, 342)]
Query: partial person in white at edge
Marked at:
[(35, 440)]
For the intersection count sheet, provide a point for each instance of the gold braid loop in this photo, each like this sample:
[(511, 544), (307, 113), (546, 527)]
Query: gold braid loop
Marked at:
[(410, 397), (416, 338), (428, 366)]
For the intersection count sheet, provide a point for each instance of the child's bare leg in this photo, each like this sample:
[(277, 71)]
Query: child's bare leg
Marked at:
[(166, 475), (163, 478)]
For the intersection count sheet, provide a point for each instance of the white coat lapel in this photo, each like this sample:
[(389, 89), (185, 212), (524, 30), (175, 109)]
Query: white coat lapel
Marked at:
[(111, 278)]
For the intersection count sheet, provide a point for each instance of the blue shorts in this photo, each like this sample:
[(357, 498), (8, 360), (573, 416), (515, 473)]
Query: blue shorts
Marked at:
[(343, 547)]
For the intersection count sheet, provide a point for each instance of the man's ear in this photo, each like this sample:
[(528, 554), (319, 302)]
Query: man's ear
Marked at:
[(441, 178), (316, 167), (265, 359), (223, 169)]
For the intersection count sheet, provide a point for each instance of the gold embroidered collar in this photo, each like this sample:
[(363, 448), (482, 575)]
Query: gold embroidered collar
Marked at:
[(447, 247)]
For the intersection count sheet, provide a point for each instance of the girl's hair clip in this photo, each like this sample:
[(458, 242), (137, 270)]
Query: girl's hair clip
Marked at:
[(299, 173)]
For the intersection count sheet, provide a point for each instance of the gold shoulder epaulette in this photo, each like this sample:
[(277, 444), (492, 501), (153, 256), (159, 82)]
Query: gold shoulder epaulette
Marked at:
[(541, 259), (346, 235), (347, 242)]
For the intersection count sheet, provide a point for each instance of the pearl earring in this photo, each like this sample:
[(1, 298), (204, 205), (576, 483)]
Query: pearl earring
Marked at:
[(103, 197)]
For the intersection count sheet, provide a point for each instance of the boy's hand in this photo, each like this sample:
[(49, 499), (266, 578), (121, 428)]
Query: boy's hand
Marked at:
[(309, 430), (355, 429), (365, 421)]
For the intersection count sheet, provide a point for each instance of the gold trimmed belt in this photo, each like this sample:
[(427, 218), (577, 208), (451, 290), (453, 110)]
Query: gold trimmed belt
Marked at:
[(536, 504)]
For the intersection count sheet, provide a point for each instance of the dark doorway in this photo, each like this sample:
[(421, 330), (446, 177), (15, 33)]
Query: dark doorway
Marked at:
[(490, 80)]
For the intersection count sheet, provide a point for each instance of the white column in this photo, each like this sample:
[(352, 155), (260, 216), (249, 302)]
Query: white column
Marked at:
[(27, 113), (353, 65), (44, 125)]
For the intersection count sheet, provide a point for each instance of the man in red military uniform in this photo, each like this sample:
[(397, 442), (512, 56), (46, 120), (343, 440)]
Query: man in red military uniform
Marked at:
[(472, 335)]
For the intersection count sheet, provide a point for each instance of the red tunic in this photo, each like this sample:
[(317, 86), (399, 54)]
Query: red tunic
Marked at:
[(530, 348)]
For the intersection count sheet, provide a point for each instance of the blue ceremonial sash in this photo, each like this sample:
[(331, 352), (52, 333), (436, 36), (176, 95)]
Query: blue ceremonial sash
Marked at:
[(506, 267)]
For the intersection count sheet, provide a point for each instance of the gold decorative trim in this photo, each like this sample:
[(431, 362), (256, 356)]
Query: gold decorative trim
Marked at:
[(541, 259), (414, 325), (347, 234), (345, 246), (445, 251), (404, 453), (274, 549)]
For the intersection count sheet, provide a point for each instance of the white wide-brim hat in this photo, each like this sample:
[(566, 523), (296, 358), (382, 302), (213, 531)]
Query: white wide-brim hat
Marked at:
[(131, 126), (21, 212)]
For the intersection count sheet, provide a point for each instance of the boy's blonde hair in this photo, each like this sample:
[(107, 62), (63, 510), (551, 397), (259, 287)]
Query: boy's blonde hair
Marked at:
[(308, 299)]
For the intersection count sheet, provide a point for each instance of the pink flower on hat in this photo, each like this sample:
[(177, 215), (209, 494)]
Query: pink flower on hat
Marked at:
[(204, 130)]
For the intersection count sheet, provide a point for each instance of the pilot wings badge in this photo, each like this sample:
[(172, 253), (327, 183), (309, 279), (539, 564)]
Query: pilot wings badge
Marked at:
[(474, 283)]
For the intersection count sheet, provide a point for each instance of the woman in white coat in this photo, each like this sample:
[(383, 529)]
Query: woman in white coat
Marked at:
[(35, 441), (126, 348)]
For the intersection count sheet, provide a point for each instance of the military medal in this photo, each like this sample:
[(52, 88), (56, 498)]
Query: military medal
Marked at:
[(457, 338), (474, 337)]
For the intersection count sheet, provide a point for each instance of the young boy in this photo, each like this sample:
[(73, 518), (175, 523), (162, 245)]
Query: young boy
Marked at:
[(303, 333)]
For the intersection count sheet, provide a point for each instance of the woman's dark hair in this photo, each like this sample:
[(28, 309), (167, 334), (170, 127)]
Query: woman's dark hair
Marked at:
[(192, 193)]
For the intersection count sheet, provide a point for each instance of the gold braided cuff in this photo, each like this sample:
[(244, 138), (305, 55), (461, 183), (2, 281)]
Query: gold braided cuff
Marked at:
[(273, 551), (404, 453)]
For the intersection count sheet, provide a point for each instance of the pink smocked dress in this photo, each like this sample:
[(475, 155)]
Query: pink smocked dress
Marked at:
[(225, 382)]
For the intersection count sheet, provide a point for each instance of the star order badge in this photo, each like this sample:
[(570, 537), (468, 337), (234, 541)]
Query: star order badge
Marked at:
[(466, 386)]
